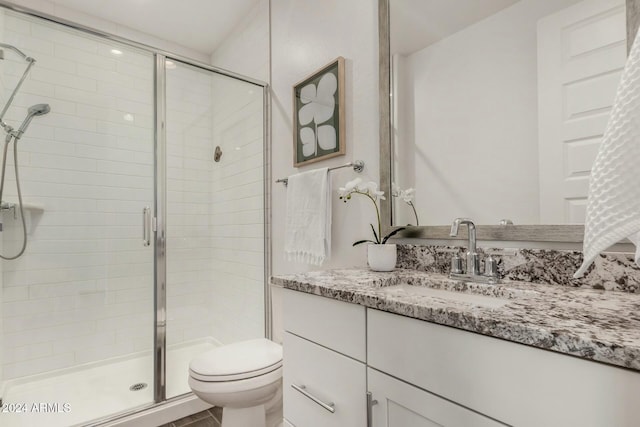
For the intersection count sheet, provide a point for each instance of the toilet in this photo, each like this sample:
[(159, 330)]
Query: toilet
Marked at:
[(243, 378)]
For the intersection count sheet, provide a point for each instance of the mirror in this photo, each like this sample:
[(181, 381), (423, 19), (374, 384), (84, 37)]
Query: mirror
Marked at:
[(496, 111)]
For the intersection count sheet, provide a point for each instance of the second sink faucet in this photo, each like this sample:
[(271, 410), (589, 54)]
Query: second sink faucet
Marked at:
[(473, 260)]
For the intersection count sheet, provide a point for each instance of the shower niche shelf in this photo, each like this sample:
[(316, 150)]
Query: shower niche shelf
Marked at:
[(32, 215), (13, 206)]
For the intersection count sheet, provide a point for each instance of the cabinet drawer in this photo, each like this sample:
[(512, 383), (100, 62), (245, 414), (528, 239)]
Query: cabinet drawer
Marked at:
[(513, 383), (401, 405), (334, 324), (327, 376)]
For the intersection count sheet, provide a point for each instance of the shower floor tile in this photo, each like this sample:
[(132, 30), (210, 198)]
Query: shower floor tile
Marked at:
[(76, 396)]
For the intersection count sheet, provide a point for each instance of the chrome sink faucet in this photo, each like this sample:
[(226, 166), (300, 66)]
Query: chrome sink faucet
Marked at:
[(473, 261), (472, 258)]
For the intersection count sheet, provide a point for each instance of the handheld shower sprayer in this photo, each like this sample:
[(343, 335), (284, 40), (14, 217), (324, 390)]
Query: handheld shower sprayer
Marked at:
[(34, 110)]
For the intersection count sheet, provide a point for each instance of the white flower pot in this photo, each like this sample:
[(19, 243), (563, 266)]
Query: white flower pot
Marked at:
[(382, 257)]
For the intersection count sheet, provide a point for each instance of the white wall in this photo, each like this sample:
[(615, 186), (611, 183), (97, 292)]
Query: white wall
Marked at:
[(306, 36), (474, 122), (246, 49)]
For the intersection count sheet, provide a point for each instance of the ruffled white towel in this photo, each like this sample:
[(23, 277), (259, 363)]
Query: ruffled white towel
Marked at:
[(308, 218), (613, 206)]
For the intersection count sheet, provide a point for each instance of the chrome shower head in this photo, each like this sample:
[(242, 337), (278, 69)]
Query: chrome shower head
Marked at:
[(34, 110), (39, 109)]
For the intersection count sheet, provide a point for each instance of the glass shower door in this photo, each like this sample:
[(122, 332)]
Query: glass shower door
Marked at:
[(77, 308), (215, 214)]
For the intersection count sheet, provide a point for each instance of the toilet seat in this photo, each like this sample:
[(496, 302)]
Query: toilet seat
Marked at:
[(238, 386), (239, 361)]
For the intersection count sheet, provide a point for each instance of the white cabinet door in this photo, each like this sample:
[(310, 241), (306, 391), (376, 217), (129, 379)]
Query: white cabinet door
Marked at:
[(402, 405), (336, 381)]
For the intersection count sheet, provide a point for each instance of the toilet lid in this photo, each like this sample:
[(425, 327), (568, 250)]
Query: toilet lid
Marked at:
[(241, 360)]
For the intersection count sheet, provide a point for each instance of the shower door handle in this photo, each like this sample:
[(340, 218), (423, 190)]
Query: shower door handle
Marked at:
[(146, 226)]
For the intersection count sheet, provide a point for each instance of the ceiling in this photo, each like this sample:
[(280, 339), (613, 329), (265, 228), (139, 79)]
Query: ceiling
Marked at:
[(198, 24), (415, 24)]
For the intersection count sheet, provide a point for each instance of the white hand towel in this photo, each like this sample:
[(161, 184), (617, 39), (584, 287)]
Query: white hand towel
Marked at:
[(308, 217), (613, 206)]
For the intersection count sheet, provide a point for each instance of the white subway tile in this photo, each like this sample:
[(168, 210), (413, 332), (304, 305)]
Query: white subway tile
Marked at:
[(86, 341), (14, 294), (94, 72), (17, 25), (64, 79), (27, 352), (29, 45), (84, 57), (105, 100), (57, 35), (36, 366), (85, 137)]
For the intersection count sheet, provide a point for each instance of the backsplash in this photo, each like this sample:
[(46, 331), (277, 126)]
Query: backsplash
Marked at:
[(610, 271)]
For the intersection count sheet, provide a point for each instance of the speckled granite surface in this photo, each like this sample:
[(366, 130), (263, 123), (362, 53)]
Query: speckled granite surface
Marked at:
[(599, 325), (610, 271)]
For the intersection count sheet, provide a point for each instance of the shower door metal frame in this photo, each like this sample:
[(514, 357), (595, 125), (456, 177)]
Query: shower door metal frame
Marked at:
[(160, 260), (159, 220)]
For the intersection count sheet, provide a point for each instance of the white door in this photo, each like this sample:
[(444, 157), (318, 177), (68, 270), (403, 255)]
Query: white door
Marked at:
[(581, 54), (402, 405)]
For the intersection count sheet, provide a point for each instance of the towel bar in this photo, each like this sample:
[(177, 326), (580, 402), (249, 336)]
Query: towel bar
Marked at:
[(358, 166)]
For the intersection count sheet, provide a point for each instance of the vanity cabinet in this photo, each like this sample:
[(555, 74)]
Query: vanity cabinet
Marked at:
[(424, 374), (513, 383)]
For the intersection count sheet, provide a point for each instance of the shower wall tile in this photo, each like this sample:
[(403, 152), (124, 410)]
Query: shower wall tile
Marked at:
[(83, 290), (27, 352), (237, 213), (40, 364), (189, 170)]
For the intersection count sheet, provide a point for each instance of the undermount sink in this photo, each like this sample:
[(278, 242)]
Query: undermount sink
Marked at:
[(452, 294)]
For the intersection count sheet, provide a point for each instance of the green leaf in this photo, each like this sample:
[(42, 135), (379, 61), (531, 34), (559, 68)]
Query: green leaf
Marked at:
[(393, 233), (364, 241), (374, 233)]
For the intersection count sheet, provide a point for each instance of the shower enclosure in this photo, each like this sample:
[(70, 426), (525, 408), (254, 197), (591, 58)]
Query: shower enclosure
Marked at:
[(144, 202)]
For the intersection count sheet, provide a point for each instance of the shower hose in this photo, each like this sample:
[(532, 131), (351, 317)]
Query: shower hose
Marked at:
[(7, 141)]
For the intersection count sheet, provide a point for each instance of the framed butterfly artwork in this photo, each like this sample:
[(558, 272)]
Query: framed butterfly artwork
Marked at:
[(318, 115)]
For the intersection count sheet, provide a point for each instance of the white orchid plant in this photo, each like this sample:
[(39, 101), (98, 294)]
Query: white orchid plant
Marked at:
[(408, 196), (370, 191)]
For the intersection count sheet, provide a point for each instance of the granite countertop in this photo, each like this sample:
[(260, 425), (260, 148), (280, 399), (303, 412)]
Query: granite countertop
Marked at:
[(598, 325)]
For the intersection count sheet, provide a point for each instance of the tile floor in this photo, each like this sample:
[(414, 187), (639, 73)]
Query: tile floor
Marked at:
[(209, 418)]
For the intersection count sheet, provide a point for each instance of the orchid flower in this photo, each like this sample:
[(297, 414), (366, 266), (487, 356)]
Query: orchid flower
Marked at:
[(408, 196), (369, 190)]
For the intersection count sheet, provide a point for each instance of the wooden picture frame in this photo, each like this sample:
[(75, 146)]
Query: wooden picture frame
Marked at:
[(318, 115)]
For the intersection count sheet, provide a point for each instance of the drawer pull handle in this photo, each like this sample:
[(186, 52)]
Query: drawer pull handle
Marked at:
[(302, 389), (370, 404)]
